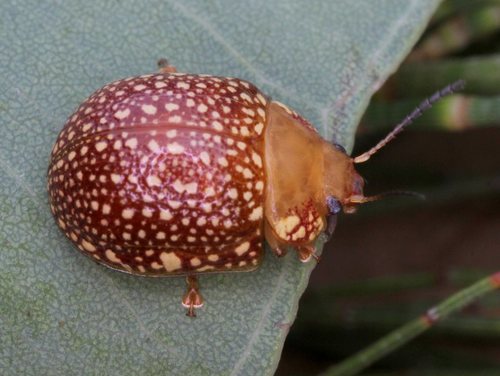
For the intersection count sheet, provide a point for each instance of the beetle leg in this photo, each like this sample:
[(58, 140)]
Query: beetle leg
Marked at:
[(273, 241), (165, 67), (306, 252), (192, 299)]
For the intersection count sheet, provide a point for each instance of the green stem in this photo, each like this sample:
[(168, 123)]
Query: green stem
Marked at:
[(453, 113), (370, 319), (481, 74), (399, 337), (458, 33)]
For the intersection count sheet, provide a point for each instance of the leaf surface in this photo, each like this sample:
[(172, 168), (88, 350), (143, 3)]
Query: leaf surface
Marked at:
[(60, 314)]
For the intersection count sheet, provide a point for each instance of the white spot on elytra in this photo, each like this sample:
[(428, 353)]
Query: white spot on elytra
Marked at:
[(257, 159), (131, 143), (244, 131), (128, 213), (170, 261), (175, 148), (100, 146), (182, 85), (153, 181), (111, 256), (242, 248), (122, 114), (247, 173), (256, 214), (174, 119), (259, 127), (222, 161), (174, 204), (153, 146), (115, 178), (106, 209), (195, 261), (147, 212), (165, 214), (149, 109), (245, 97), (217, 126), (189, 188), (171, 106), (205, 158), (202, 108), (213, 257), (233, 193), (209, 192), (88, 246)]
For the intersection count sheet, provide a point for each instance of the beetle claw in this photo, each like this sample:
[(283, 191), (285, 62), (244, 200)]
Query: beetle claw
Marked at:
[(165, 67), (192, 299), (307, 252)]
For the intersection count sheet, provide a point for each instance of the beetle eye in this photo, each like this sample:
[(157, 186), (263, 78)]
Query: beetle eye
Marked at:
[(334, 205), (358, 184), (340, 148)]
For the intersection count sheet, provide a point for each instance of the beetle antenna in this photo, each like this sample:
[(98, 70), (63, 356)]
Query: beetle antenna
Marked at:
[(417, 112), (364, 199)]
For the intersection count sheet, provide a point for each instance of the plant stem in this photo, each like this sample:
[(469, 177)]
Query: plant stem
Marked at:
[(399, 337), (480, 73), (453, 113), (458, 33)]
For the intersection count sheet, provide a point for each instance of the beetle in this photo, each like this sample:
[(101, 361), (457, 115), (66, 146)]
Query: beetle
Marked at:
[(182, 174)]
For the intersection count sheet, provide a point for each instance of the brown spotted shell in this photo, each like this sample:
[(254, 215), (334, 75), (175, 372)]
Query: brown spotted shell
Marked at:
[(163, 174)]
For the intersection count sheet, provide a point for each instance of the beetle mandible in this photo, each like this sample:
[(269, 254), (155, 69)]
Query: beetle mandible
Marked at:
[(181, 174)]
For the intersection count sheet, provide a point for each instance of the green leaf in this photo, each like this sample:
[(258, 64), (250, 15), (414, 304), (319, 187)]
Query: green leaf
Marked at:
[(61, 314)]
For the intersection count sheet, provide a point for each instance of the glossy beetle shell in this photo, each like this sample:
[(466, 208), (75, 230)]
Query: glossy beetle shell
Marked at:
[(163, 174)]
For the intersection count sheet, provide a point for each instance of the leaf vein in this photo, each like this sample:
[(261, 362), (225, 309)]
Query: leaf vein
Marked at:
[(285, 92)]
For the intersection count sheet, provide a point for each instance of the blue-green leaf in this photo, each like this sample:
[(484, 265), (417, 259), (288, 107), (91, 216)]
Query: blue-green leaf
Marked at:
[(60, 314)]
